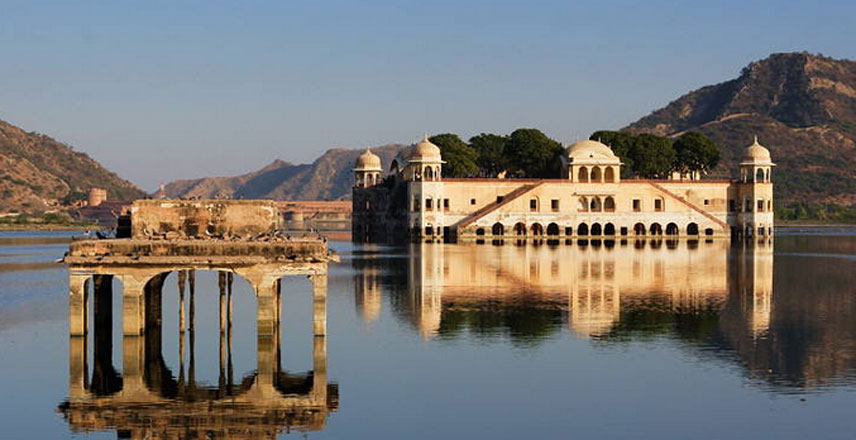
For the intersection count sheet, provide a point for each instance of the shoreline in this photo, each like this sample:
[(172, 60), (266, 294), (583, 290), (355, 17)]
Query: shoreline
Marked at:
[(46, 227)]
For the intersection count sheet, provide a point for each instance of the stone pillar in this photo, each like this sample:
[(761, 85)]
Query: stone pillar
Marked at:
[(266, 296), (77, 320), (319, 304), (182, 281), (133, 305), (221, 278)]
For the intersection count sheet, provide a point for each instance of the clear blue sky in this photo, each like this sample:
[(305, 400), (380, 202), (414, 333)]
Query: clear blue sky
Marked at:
[(159, 90)]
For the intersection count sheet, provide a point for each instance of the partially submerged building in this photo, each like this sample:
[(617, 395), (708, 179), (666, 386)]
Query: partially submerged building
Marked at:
[(589, 198)]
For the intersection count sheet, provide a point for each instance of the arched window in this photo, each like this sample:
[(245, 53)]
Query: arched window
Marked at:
[(639, 229), (582, 175), (609, 175), (759, 175), (708, 231), (595, 174), (537, 229), (429, 173), (520, 229), (595, 204), (582, 229), (692, 229), (609, 229), (609, 204), (552, 229), (583, 204), (497, 229), (671, 229)]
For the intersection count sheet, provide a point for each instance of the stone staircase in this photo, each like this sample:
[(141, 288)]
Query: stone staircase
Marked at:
[(689, 204), (495, 205)]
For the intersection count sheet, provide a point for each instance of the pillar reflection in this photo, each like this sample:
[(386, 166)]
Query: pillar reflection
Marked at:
[(149, 400)]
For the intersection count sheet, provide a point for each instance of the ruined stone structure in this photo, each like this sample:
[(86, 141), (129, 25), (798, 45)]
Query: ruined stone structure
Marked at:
[(145, 400), (589, 199)]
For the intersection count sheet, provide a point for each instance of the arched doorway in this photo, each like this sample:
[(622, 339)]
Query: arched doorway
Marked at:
[(671, 229), (609, 204), (596, 229), (595, 204), (656, 229), (595, 174), (480, 232), (582, 175), (609, 229), (582, 229), (639, 229), (497, 229), (692, 229), (520, 229), (537, 229), (609, 175), (552, 229)]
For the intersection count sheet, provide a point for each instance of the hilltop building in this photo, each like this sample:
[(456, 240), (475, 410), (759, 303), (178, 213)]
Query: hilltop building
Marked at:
[(589, 198)]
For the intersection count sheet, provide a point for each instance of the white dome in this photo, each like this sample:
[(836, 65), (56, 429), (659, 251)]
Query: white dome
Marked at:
[(589, 151), (425, 151), (756, 154), (368, 161)]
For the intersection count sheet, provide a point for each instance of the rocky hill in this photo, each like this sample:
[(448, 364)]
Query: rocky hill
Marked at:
[(37, 173), (801, 106), (328, 178)]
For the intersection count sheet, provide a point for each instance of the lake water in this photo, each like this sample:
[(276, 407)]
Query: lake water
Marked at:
[(598, 340)]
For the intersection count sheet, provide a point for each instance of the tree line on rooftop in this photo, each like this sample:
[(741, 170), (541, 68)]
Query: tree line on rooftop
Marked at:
[(529, 153)]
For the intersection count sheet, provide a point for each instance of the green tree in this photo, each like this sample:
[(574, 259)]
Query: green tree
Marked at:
[(461, 159), (653, 156), (621, 143), (490, 148), (695, 152), (530, 153)]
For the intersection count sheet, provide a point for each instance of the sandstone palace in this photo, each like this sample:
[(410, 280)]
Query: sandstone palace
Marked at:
[(413, 202)]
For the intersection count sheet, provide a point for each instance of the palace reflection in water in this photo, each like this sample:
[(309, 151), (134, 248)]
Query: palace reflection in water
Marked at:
[(715, 297)]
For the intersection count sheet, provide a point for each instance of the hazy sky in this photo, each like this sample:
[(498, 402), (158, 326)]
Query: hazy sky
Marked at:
[(159, 90)]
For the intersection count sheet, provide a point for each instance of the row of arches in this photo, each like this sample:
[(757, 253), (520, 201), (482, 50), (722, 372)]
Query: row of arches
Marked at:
[(596, 229), (596, 174), (595, 204)]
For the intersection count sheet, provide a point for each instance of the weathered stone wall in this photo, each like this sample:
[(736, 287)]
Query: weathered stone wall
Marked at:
[(204, 218)]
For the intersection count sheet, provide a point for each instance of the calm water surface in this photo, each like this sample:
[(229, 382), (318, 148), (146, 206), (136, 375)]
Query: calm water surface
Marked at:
[(635, 340)]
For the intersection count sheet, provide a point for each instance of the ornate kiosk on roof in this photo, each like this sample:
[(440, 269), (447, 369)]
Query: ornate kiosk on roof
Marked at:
[(587, 201)]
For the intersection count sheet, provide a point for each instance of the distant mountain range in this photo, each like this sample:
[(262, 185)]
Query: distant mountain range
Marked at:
[(37, 173), (802, 107), (328, 178)]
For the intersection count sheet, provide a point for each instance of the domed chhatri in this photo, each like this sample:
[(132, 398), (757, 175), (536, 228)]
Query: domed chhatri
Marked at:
[(368, 161), (756, 154), (425, 151), (588, 150)]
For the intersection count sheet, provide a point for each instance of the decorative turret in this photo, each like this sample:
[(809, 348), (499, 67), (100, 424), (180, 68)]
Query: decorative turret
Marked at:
[(590, 161), (424, 162), (367, 170), (755, 191)]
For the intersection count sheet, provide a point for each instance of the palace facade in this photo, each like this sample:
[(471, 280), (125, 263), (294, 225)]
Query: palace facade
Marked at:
[(413, 202)]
